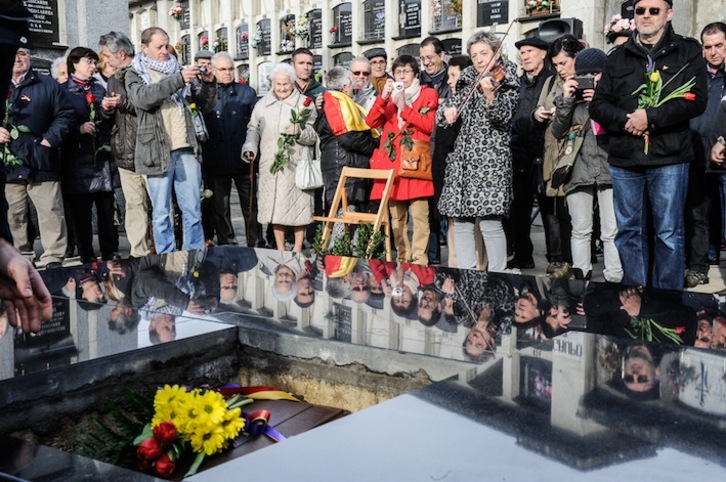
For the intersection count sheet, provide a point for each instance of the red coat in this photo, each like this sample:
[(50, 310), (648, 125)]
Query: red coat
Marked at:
[(383, 114)]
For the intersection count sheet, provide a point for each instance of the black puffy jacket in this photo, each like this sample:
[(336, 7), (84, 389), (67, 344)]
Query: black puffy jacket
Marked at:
[(352, 149), (624, 72), (39, 104), (227, 126)]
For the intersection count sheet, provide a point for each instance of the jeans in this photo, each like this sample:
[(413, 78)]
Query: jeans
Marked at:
[(185, 176), (665, 188), (495, 242), (580, 204)]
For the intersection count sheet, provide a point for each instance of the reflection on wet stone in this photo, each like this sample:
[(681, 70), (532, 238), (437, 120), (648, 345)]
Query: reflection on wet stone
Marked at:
[(591, 367)]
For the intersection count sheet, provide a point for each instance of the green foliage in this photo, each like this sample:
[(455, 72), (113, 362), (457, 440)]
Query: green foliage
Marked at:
[(342, 246), (318, 239), (366, 244), (110, 439)]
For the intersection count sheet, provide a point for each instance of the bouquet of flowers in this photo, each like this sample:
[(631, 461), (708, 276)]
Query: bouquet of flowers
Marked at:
[(436, 7), (645, 328), (649, 93), (286, 142), (176, 11), (618, 25), (256, 39), (301, 28), (333, 29), (204, 42), (244, 37), (10, 159), (539, 5), (287, 45)]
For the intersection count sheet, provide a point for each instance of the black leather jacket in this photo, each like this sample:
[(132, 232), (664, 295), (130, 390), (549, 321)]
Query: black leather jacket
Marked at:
[(668, 125)]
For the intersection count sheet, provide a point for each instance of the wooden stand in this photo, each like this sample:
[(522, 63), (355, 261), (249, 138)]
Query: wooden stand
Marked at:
[(340, 201)]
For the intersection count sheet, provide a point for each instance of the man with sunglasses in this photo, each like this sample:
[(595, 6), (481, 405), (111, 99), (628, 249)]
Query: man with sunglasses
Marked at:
[(363, 92), (650, 149)]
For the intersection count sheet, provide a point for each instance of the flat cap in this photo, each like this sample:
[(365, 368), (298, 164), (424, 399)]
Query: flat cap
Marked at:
[(203, 54), (373, 53), (532, 42)]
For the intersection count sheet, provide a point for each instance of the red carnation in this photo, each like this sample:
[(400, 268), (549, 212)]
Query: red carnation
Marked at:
[(308, 101), (90, 99), (679, 329), (149, 449), (689, 96), (164, 466), (165, 432)]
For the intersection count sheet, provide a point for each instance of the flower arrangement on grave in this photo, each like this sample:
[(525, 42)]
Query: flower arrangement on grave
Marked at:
[(289, 29), (649, 93), (10, 159), (176, 11), (617, 25), (287, 45), (244, 37), (286, 142), (301, 28), (333, 29), (379, 22), (204, 42), (539, 6), (93, 117), (217, 46), (436, 7), (245, 76), (256, 39), (176, 427), (456, 7)]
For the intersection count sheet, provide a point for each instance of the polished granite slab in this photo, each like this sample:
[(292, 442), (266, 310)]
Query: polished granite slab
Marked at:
[(556, 355)]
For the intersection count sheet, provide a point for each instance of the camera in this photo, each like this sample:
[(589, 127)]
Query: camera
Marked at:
[(397, 86), (203, 70), (585, 82)]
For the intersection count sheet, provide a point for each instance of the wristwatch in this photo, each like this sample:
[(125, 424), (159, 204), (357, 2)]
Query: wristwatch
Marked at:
[(721, 141)]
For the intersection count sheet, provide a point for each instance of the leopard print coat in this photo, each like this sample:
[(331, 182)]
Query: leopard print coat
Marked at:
[(478, 175)]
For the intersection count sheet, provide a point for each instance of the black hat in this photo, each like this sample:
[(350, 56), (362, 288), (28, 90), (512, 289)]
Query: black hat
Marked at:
[(203, 54), (373, 53), (13, 24), (669, 2), (532, 42), (590, 61)]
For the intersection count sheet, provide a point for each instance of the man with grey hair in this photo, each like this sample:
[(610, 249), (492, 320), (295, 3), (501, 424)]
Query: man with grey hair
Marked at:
[(227, 126), (363, 92), (119, 53)]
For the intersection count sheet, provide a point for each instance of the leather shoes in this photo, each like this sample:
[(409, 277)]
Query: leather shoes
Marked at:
[(520, 264)]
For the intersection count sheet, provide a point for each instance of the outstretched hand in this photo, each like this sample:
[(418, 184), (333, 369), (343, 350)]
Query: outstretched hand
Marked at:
[(22, 290)]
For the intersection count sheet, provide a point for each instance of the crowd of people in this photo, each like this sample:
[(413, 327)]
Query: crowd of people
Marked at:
[(643, 126)]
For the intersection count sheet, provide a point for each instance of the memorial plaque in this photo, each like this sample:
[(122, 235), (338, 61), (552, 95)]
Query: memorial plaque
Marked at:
[(317, 63), (265, 48), (409, 18), (243, 48), (491, 12), (452, 46), (44, 25), (374, 12), (315, 24), (343, 323), (186, 16)]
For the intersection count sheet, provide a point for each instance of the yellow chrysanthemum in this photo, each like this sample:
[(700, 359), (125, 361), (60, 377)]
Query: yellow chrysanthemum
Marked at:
[(211, 405), (654, 76), (233, 423), (168, 395), (209, 441)]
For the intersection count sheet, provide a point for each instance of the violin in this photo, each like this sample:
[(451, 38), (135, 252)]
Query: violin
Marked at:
[(497, 73)]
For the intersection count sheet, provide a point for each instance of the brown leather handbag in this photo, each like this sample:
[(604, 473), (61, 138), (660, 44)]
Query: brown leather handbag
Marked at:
[(416, 162)]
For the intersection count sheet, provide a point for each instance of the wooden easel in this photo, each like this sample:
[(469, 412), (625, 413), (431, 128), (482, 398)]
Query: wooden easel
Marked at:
[(378, 220)]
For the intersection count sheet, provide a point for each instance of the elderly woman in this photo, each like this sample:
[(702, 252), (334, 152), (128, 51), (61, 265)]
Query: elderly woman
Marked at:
[(89, 173), (280, 202), (345, 139), (59, 69), (478, 176), (405, 115)]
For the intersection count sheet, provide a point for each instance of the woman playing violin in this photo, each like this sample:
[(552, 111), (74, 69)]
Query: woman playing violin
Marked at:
[(478, 177)]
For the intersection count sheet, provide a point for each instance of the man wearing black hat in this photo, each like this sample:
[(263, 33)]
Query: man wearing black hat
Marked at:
[(650, 148), (379, 60), (27, 300), (527, 146)]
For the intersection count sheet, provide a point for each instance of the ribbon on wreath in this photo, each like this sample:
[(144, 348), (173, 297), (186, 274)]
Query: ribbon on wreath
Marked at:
[(259, 392), (258, 423)]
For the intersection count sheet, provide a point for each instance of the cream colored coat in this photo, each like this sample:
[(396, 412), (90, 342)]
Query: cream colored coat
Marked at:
[(278, 200)]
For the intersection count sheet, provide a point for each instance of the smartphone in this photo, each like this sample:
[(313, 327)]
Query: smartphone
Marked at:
[(585, 82)]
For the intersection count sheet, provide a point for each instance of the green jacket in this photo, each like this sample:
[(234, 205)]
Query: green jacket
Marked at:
[(152, 153)]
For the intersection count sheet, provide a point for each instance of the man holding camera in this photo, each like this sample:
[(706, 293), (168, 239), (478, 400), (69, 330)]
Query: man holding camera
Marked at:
[(650, 148), (167, 150)]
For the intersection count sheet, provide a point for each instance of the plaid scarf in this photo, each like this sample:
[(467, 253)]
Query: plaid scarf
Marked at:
[(142, 64)]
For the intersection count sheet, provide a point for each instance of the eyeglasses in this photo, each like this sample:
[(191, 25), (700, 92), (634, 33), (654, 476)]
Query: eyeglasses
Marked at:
[(403, 72), (651, 10), (378, 62), (360, 72), (633, 379)]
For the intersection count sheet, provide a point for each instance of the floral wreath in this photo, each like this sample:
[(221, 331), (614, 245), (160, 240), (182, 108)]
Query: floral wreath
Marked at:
[(618, 27)]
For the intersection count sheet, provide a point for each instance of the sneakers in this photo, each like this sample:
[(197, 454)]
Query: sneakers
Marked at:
[(695, 278)]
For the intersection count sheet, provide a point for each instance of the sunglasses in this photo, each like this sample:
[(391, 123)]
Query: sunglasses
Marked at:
[(651, 10), (360, 72), (633, 379)]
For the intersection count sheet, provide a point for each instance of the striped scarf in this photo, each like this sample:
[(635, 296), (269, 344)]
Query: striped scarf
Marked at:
[(142, 64)]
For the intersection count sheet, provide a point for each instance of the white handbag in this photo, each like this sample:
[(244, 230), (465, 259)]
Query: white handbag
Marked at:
[(308, 173)]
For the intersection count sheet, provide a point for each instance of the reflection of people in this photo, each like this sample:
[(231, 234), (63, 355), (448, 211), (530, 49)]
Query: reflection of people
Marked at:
[(162, 325), (640, 373), (482, 336), (429, 307), (227, 287), (284, 287), (123, 318), (305, 295), (704, 330)]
